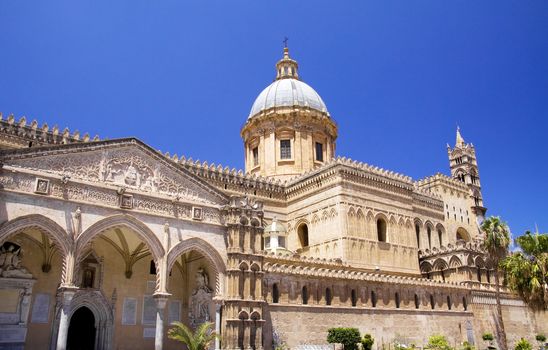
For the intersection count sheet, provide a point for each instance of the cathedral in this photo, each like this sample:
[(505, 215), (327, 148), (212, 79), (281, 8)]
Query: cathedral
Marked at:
[(105, 243)]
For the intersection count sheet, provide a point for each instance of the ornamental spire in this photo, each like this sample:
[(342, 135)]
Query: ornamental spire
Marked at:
[(460, 141), (287, 68)]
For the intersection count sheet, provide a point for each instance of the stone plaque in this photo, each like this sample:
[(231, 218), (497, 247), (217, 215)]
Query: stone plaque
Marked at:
[(174, 311), (149, 310), (9, 300), (40, 308), (129, 311), (149, 332), (13, 334)]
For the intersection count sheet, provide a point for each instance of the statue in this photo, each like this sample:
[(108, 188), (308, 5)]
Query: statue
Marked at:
[(200, 300), (10, 262)]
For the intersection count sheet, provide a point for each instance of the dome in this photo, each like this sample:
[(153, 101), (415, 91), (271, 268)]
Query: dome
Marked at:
[(286, 93)]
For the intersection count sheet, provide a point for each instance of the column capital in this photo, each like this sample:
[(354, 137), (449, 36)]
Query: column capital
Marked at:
[(161, 299)]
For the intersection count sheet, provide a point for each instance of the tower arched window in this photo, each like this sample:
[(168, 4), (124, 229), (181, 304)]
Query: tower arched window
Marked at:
[(302, 232), (429, 234), (416, 301), (397, 297), (418, 233), (432, 303), (275, 294), (381, 230), (448, 302), (373, 299), (464, 303), (440, 235)]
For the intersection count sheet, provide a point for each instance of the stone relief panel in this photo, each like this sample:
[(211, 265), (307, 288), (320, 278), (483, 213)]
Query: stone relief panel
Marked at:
[(127, 166)]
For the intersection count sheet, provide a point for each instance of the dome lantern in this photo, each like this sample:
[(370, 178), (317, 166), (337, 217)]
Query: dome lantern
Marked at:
[(287, 68)]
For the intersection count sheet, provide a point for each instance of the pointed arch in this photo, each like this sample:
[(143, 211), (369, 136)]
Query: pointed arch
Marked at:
[(122, 220), (455, 262), (41, 223), (199, 245)]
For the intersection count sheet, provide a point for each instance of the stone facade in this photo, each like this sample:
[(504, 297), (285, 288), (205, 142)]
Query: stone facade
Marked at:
[(117, 240)]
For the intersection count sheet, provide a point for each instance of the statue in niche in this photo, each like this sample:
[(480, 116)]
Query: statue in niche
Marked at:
[(10, 262), (131, 175), (200, 300)]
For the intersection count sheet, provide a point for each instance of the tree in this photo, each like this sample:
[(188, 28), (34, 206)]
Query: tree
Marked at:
[(496, 240), (201, 339), (348, 337), (526, 271)]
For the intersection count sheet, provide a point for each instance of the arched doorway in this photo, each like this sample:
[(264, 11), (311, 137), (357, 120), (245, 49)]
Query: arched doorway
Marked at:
[(81, 334)]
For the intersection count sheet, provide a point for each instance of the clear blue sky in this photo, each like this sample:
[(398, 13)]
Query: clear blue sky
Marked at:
[(397, 76)]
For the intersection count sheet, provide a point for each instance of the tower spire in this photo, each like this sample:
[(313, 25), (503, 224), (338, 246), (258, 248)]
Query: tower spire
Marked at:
[(460, 140), (287, 68)]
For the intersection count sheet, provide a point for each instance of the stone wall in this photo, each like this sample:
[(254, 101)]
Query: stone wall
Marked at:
[(308, 324)]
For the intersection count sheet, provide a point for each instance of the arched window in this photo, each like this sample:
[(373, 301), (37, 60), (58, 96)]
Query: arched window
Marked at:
[(478, 274), (416, 301), (373, 299), (429, 234), (397, 300), (448, 302), (328, 296), (303, 235), (353, 297), (464, 303), (275, 293), (462, 234), (304, 295), (381, 230), (440, 234), (418, 233), (432, 303), (488, 275)]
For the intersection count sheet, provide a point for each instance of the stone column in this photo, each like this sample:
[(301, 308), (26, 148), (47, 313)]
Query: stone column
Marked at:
[(68, 294), (161, 302), (218, 306)]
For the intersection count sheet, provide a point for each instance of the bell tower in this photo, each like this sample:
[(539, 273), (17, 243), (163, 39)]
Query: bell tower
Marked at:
[(464, 168)]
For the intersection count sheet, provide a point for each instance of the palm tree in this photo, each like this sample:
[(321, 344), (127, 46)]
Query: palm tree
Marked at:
[(496, 240), (201, 339), (526, 271)]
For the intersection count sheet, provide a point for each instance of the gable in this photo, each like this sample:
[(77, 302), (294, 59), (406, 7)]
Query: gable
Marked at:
[(126, 163)]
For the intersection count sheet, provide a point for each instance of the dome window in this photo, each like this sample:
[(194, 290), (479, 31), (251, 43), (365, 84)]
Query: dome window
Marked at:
[(319, 152), (285, 149), (255, 152)]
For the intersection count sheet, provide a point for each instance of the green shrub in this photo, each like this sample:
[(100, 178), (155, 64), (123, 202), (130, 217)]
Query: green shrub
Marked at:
[(348, 337), (438, 342), (367, 342), (467, 346), (523, 344), (541, 338), (487, 337)]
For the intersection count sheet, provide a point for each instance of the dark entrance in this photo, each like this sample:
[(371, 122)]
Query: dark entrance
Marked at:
[(81, 334)]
